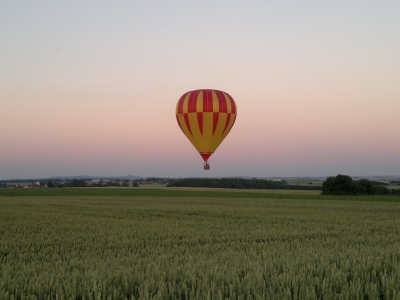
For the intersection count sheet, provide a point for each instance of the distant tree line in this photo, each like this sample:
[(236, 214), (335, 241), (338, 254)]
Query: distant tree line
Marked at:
[(238, 183), (345, 185), (151, 179), (82, 183), (77, 183), (42, 181)]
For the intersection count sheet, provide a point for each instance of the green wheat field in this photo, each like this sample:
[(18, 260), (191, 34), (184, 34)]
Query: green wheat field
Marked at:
[(197, 244)]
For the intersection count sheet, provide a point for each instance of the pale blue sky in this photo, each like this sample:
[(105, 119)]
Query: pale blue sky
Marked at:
[(90, 87)]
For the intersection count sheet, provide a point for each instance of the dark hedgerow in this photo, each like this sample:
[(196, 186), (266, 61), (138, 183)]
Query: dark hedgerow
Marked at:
[(238, 183), (345, 185)]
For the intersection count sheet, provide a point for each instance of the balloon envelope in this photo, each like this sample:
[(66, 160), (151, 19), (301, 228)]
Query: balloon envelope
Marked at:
[(206, 117)]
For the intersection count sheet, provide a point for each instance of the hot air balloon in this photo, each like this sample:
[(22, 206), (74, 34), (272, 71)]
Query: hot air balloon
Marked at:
[(206, 117)]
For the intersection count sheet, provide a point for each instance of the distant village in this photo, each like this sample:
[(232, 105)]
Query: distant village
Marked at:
[(59, 183)]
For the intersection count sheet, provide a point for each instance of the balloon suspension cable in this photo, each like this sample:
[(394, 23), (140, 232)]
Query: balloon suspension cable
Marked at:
[(206, 165)]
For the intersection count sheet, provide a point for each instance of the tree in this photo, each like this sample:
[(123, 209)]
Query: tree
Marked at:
[(344, 185), (382, 190), (50, 184), (77, 183), (364, 187), (339, 185), (135, 184)]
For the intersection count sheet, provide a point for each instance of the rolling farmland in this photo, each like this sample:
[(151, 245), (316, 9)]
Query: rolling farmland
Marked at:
[(196, 244)]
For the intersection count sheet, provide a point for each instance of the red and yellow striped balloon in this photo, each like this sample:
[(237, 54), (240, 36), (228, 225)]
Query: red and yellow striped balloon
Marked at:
[(206, 117)]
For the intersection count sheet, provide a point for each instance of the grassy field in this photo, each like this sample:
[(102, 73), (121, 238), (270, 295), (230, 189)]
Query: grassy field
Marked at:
[(190, 192), (393, 186), (196, 244)]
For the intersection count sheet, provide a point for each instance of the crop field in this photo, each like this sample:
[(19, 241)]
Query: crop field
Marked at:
[(393, 186), (194, 244)]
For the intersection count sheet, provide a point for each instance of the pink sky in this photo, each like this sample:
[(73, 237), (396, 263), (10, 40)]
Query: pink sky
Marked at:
[(90, 90)]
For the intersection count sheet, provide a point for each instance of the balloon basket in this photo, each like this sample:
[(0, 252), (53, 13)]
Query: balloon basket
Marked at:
[(206, 166)]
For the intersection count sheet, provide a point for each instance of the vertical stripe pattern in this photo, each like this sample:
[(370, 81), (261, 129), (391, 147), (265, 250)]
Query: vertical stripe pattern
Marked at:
[(206, 117)]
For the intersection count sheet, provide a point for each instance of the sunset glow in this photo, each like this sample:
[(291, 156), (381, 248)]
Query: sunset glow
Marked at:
[(91, 89)]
